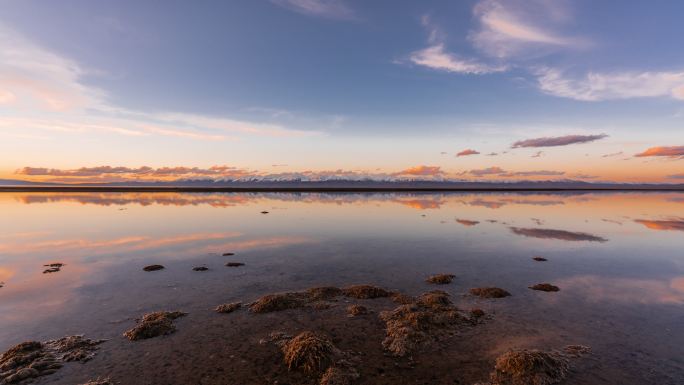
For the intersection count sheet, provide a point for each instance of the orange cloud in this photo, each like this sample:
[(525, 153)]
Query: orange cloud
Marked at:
[(676, 224), (466, 222), (422, 171), (467, 152), (672, 152)]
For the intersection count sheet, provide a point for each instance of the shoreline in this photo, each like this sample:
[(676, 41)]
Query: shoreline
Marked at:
[(156, 189)]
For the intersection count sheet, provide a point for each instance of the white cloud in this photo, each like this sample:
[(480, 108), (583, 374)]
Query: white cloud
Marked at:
[(333, 9), (596, 86), (43, 91), (513, 27), (436, 57)]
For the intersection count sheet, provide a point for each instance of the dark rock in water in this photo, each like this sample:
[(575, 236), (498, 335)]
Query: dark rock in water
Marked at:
[(441, 279), (540, 259), (489, 292), (234, 264), (55, 264), (51, 270), (2, 284), (200, 268), (153, 325), (545, 287), (228, 254), (52, 267), (228, 307), (264, 212), (365, 292), (32, 359), (153, 267)]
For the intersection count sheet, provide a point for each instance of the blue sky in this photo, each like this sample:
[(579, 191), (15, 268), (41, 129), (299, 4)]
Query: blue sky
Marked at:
[(373, 87)]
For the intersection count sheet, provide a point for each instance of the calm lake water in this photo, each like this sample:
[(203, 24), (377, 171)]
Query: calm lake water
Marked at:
[(617, 257)]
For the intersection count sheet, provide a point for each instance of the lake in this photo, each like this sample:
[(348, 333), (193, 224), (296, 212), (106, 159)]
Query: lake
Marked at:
[(617, 257)]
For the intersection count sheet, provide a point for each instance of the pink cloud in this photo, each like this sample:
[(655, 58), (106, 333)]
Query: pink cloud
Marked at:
[(467, 152), (672, 152), (558, 141), (422, 171)]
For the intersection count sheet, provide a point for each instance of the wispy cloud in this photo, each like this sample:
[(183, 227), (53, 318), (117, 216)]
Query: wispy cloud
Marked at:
[(422, 171), (332, 9), (612, 154), (557, 141), (557, 234), (436, 57), (534, 173), (596, 86), (676, 224), (488, 171), (508, 28), (676, 176), (46, 92), (670, 152), (467, 152)]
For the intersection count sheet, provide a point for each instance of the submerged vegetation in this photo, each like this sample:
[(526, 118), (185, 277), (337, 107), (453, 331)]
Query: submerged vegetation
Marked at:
[(154, 325)]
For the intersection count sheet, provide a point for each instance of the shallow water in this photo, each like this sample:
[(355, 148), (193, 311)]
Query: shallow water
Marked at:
[(617, 257)]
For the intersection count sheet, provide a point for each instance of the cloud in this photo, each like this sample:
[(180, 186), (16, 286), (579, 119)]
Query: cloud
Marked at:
[(672, 152), (109, 173), (435, 57), (487, 171), (422, 171), (612, 154), (467, 152), (596, 86), (538, 154), (467, 222), (676, 176), (509, 28), (534, 173), (676, 224), (558, 141), (557, 234), (45, 92), (332, 9)]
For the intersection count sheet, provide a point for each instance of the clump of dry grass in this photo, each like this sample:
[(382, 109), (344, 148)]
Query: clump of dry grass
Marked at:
[(153, 325), (477, 313), (529, 367), (575, 351), (365, 292), (323, 293), (234, 264), (228, 307), (401, 299), (412, 326), (277, 302), (356, 310), (489, 292), (545, 287), (539, 259), (441, 279), (308, 351), (336, 375)]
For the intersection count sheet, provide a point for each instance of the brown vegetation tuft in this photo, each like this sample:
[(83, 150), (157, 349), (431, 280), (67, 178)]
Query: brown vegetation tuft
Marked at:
[(441, 279), (365, 292), (308, 351), (489, 292), (228, 307), (545, 287), (278, 302), (529, 367), (153, 325)]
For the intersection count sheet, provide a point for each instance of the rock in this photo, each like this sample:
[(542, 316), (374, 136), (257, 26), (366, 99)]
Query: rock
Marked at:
[(441, 279), (153, 267), (234, 264), (545, 287), (264, 212), (228, 254), (489, 292), (540, 259), (200, 268)]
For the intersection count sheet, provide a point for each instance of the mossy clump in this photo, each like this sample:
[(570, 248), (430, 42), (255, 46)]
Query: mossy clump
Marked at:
[(228, 254), (234, 264), (323, 293), (200, 268), (529, 367), (228, 307), (336, 375), (545, 287), (356, 310), (441, 279), (539, 259), (32, 359), (489, 292), (365, 292), (401, 298), (309, 352), (100, 381), (413, 326), (153, 267), (575, 351), (477, 313), (53, 267), (154, 325), (278, 302)]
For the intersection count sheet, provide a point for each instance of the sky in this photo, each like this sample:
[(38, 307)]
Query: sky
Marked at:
[(461, 90)]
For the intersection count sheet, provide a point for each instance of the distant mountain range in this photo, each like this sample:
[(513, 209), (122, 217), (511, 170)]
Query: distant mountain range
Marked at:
[(350, 184)]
